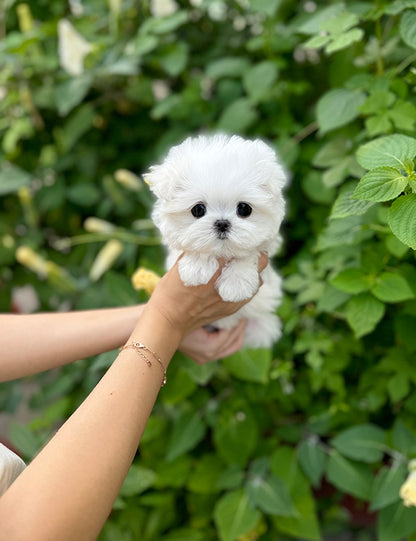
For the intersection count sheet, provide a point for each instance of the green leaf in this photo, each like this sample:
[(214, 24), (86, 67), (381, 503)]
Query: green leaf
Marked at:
[(350, 477), (234, 516), (270, 495), (351, 281), (230, 66), (24, 440), (396, 522), (337, 108), (312, 459), (345, 205), (402, 219), (386, 487), (391, 287), (366, 443), (398, 387), (188, 431), (403, 114), (387, 151), (137, 480), (204, 478), (344, 40), (71, 93), (381, 184), (238, 116), (259, 79), (268, 7), (363, 312), (12, 178), (250, 365), (404, 439), (407, 28), (236, 433)]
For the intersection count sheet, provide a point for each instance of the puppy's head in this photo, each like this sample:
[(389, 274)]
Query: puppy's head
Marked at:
[(219, 195)]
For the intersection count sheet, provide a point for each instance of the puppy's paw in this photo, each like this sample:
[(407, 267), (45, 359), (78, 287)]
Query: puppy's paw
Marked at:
[(237, 282), (195, 271)]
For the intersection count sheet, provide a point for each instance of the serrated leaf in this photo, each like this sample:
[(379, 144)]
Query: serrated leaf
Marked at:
[(407, 28), (363, 312), (312, 459), (402, 219), (391, 287), (234, 516), (387, 151), (348, 476), (337, 108), (365, 443), (270, 495), (250, 365), (351, 281), (385, 490), (344, 40), (381, 184), (345, 205)]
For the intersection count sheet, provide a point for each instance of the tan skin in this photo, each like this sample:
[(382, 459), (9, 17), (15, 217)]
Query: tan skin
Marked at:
[(68, 491)]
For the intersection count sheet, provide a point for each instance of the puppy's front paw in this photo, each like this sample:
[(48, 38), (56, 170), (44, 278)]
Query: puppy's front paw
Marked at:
[(196, 271), (237, 282)]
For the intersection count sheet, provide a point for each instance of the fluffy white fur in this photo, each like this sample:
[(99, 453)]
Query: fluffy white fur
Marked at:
[(220, 172)]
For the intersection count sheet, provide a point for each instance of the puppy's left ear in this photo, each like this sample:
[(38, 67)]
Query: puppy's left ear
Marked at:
[(160, 180)]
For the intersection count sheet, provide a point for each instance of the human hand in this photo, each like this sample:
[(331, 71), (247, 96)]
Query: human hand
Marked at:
[(203, 346), (189, 308)]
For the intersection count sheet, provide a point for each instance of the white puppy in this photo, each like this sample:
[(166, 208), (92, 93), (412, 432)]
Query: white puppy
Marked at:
[(221, 197)]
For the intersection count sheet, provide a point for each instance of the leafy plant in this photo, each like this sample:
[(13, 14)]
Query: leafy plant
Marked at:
[(308, 439)]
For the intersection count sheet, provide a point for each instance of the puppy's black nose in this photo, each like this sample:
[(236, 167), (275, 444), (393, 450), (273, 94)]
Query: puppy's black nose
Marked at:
[(222, 225)]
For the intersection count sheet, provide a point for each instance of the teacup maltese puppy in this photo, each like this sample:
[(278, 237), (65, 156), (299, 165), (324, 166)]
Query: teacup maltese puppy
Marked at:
[(221, 197)]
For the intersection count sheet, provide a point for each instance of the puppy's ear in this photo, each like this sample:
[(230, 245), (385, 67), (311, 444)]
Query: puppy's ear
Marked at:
[(161, 180)]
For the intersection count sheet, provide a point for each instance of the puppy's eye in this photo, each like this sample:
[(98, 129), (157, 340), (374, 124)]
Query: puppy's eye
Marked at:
[(243, 210), (199, 210)]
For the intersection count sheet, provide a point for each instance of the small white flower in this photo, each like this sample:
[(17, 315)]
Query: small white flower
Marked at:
[(161, 89), (105, 258), (25, 300), (27, 257), (408, 489), (72, 48), (163, 8)]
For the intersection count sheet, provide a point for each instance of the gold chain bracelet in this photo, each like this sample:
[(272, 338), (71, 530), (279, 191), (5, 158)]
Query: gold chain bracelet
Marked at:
[(139, 347)]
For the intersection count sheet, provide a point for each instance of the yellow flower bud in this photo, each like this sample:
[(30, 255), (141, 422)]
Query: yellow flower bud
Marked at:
[(24, 16), (145, 279), (105, 258), (408, 489), (96, 225), (27, 257), (128, 179)]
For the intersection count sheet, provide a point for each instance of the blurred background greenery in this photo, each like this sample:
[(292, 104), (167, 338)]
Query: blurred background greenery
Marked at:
[(310, 440)]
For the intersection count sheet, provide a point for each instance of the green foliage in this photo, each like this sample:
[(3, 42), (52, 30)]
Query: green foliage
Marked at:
[(286, 443)]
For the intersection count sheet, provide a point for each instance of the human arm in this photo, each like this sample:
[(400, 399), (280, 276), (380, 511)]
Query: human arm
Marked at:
[(68, 490), (33, 343)]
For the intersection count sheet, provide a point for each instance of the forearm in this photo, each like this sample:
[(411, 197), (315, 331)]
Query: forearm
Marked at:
[(86, 461), (33, 343)]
